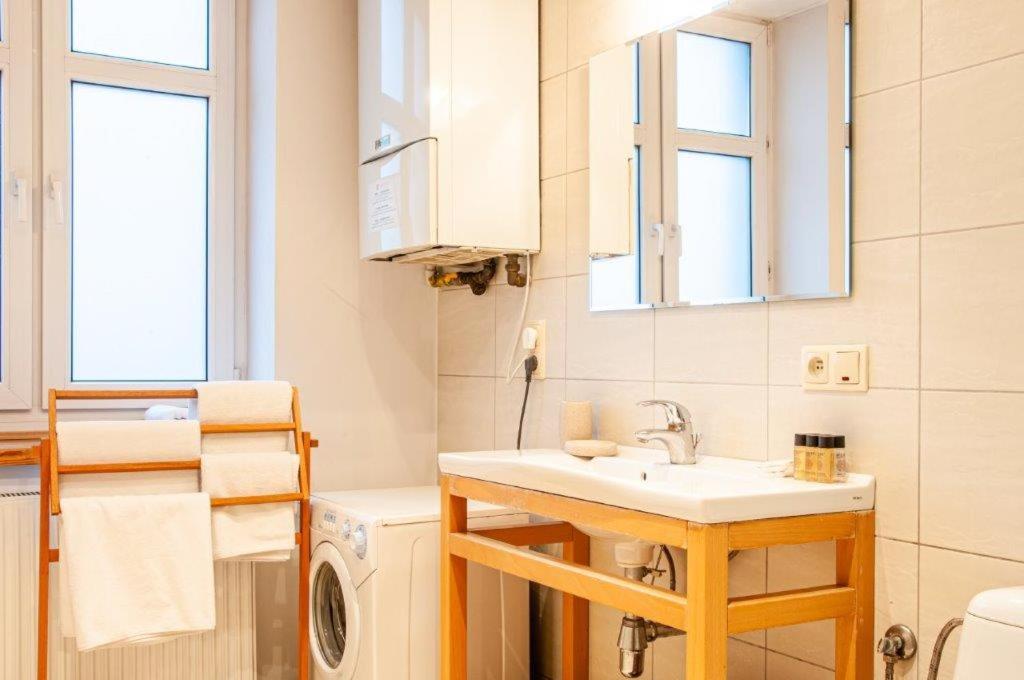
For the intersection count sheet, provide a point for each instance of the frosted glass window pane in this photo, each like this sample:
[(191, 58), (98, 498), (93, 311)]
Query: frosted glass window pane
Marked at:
[(714, 212), (138, 235), (172, 32), (713, 84)]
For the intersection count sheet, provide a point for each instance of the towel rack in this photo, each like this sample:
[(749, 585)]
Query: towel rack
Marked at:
[(50, 472)]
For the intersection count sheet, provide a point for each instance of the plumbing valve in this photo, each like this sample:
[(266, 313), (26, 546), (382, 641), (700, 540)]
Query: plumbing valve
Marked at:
[(898, 644)]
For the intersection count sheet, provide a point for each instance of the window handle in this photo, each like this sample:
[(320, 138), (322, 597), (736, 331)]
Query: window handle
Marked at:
[(19, 187), (57, 196)]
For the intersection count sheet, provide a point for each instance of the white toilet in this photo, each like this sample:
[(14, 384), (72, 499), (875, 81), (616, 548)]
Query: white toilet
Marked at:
[(992, 642)]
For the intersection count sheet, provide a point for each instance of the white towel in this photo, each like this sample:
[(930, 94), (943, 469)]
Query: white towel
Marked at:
[(166, 412), (245, 401), (118, 442), (252, 532), (139, 568)]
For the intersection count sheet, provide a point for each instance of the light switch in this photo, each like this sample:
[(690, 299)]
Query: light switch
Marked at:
[(835, 368), (847, 368)]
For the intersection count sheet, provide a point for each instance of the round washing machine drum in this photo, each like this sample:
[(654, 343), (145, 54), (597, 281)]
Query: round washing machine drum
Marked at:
[(333, 614)]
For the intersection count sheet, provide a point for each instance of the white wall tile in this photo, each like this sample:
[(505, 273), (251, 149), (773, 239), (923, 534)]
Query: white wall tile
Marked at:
[(616, 415), (882, 312), (887, 163), (896, 582), (552, 127), (957, 34), (554, 33), (465, 331), (972, 309), (577, 119), (803, 566), (547, 303), (881, 439), (886, 44), (972, 149), (465, 414), (550, 261), (606, 345), (542, 423), (948, 582), (781, 667), (577, 223), (971, 472), (732, 419), (717, 343)]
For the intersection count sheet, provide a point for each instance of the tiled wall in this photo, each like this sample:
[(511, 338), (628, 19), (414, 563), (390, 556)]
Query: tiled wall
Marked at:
[(938, 296)]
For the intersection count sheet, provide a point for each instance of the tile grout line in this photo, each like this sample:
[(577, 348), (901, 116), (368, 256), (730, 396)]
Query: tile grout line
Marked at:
[(920, 297), (921, 79)]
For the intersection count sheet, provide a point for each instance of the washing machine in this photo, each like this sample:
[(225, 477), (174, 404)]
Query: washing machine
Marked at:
[(374, 591)]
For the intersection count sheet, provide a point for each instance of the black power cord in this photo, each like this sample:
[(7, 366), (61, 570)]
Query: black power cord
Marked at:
[(530, 366)]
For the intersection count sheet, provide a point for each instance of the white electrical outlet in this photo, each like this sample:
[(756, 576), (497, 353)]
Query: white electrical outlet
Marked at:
[(834, 368), (540, 350)]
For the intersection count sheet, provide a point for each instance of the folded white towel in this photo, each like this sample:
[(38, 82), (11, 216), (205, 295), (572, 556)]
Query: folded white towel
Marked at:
[(245, 401), (252, 532), (139, 568), (166, 412)]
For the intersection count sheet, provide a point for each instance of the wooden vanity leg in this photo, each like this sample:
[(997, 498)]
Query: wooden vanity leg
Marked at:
[(576, 615), (707, 601), (453, 588), (855, 567)]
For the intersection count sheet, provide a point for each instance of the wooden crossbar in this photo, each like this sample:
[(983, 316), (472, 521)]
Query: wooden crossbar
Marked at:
[(540, 533), (46, 453), (789, 608), (657, 604)]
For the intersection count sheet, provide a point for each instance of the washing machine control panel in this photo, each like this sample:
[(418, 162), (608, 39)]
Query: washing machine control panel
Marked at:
[(359, 541), (352, 531)]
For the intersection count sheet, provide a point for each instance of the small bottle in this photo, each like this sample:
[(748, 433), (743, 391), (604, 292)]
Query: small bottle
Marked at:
[(826, 458), (842, 464), (811, 458), (800, 456)]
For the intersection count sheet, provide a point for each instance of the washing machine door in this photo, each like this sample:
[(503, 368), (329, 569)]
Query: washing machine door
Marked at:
[(333, 614)]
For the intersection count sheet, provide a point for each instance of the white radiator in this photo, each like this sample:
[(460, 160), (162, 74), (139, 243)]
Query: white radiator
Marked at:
[(228, 653)]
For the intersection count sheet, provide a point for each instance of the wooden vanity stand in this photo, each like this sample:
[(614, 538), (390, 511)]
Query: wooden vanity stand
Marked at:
[(706, 612)]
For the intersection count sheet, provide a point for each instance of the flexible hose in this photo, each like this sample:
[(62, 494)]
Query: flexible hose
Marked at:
[(940, 645)]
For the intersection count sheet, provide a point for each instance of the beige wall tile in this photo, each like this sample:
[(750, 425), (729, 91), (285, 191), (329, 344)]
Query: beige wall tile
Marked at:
[(550, 261), (552, 127), (616, 415), (781, 667), (972, 309), (554, 32), (577, 223), (547, 303), (803, 566), (882, 312), (541, 426), (948, 582), (957, 34), (881, 438), (732, 419), (971, 472), (887, 163), (577, 119), (886, 44), (465, 331), (972, 148), (717, 343), (745, 661), (896, 582), (465, 414), (606, 345)]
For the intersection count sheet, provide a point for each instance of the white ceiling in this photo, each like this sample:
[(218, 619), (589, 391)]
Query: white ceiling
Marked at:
[(769, 10)]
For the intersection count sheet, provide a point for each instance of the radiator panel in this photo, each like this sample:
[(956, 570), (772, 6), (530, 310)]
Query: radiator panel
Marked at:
[(228, 653)]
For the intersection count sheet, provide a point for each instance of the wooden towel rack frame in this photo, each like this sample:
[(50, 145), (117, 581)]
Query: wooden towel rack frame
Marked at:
[(50, 471)]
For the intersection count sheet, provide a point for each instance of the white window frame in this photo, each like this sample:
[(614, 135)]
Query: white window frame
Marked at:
[(755, 147), (16, 127), (61, 67)]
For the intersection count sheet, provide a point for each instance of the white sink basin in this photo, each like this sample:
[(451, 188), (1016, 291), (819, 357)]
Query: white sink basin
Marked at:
[(714, 490)]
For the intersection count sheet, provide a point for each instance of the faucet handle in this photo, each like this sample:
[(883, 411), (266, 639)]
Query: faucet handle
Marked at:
[(675, 413)]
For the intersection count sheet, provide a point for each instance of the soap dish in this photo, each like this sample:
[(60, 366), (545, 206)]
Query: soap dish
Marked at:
[(591, 448)]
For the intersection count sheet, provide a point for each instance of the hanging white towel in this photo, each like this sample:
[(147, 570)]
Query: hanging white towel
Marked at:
[(252, 532), (245, 401), (139, 568), (83, 442)]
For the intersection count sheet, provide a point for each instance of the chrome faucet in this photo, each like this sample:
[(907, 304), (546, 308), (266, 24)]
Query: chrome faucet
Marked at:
[(678, 436)]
